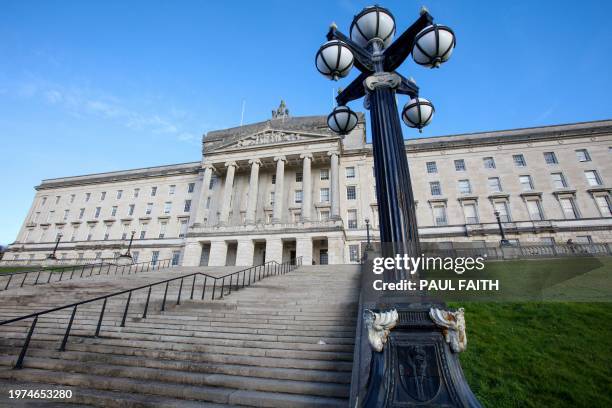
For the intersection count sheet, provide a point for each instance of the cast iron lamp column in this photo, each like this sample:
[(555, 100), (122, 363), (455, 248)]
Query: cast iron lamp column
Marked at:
[(51, 257), (503, 241), (126, 259), (416, 367), (368, 245)]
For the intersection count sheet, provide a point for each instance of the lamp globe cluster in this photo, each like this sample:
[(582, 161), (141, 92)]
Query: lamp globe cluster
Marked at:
[(371, 33)]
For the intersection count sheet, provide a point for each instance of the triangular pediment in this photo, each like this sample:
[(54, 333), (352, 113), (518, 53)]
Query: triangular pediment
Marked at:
[(272, 137)]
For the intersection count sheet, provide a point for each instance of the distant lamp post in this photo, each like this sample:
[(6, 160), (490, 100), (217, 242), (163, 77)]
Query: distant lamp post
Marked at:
[(503, 241), (126, 258), (51, 258), (368, 245)]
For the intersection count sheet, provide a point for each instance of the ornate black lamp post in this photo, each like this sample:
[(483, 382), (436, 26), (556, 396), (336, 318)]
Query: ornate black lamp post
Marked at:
[(368, 245), (126, 258), (413, 364), (503, 241)]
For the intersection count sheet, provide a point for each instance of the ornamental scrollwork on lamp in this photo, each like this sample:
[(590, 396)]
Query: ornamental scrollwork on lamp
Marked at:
[(453, 324), (379, 325)]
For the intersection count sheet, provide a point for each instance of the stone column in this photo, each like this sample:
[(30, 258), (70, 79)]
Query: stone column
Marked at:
[(245, 252), (204, 192), (303, 248), (306, 186), (335, 250), (227, 192), (274, 249), (192, 253), (218, 253), (334, 187), (253, 186), (278, 189)]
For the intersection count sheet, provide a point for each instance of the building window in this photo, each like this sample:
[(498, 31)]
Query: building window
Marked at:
[(434, 187), (97, 213), (298, 196), (584, 239), (550, 158), (324, 195), (66, 212), (324, 216), (297, 216), (114, 211), (119, 194), (351, 193), (271, 197), (190, 187), (547, 240), (162, 229), (149, 209), (354, 253), (324, 174), (569, 208), (213, 181), (583, 155), (471, 213), (460, 165), (57, 199), (298, 177), (107, 232), (603, 204), (208, 200), (350, 172), (87, 196), (135, 255), (592, 178), (431, 167), (50, 216), (167, 207), (98, 255), (154, 257), (519, 160), (43, 202), (81, 213), (171, 189), (143, 233), (464, 187), (274, 179), (558, 180), (187, 206), (72, 197), (494, 185), (103, 196), (489, 162), (131, 210), (153, 191), (352, 219), (439, 214), (176, 256), (183, 229), (136, 192), (534, 208), (502, 208), (526, 183)]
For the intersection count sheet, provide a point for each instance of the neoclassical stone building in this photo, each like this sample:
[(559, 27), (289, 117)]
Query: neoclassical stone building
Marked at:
[(289, 187)]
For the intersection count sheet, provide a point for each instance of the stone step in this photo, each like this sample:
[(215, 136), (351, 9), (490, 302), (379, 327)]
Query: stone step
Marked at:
[(170, 390)]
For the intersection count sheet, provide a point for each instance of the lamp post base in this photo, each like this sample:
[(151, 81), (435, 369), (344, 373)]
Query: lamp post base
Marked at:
[(417, 366)]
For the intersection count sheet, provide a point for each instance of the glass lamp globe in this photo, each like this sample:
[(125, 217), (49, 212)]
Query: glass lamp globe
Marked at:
[(342, 120), (124, 259), (417, 113), (433, 45), (334, 60), (373, 22)]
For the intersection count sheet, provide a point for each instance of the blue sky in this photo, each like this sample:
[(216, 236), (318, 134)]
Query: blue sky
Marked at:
[(89, 87)]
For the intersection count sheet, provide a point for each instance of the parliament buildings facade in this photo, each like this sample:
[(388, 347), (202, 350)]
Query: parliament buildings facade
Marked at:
[(290, 187)]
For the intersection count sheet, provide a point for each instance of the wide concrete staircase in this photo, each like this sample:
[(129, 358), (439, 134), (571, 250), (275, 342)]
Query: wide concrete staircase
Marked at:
[(285, 341)]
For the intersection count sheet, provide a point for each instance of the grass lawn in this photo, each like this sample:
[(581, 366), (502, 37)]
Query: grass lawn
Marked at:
[(9, 269), (553, 353)]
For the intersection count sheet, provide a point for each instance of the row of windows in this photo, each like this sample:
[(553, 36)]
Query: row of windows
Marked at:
[(519, 161), (494, 184), (113, 211), (119, 194), (176, 256), (90, 231), (534, 208)]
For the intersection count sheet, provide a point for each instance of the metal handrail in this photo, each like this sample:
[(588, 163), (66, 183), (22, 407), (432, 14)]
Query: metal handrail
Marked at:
[(160, 263), (255, 273)]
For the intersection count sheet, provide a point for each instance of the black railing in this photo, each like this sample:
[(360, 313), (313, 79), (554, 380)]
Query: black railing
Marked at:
[(231, 282), (52, 275)]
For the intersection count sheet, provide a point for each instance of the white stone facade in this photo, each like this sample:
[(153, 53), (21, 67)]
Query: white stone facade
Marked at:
[(289, 187)]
